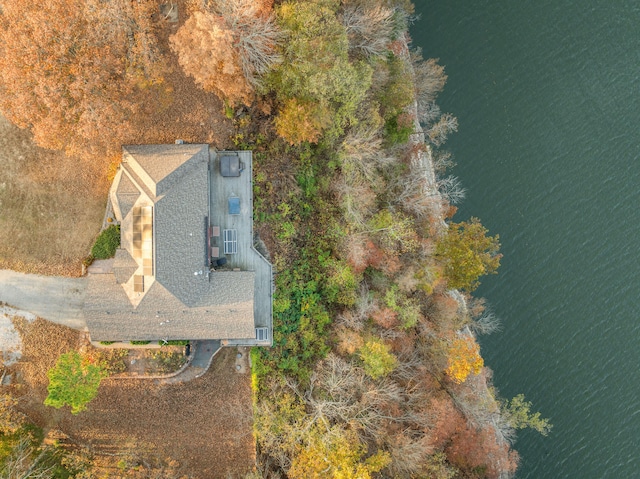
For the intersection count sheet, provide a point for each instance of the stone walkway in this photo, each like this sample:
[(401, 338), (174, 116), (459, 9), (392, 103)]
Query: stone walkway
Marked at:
[(57, 299), (203, 353)]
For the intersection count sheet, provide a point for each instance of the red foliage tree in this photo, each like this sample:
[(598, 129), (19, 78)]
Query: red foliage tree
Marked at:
[(478, 449)]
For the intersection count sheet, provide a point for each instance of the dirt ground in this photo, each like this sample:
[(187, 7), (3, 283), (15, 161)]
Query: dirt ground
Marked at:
[(50, 209), (52, 206), (204, 424)]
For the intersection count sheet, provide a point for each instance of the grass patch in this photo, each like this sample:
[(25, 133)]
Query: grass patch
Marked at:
[(107, 243)]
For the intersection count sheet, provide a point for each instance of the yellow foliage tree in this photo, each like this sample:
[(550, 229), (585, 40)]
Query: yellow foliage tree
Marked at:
[(300, 121), (464, 359), (336, 454)]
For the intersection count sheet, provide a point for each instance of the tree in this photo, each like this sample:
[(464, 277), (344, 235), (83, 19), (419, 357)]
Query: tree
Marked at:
[(26, 461), (518, 413), (370, 28), (204, 45), (227, 50), (73, 381), (463, 359), (429, 80), (479, 450), (316, 71), (300, 121), (468, 253), (72, 70), (335, 454), (377, 359), (439, 131), (11, 420)]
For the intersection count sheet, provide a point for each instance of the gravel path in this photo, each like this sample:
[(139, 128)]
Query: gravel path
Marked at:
[(56, 299)]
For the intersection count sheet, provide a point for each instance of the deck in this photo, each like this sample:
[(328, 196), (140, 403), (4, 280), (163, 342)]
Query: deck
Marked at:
[(221, 188)]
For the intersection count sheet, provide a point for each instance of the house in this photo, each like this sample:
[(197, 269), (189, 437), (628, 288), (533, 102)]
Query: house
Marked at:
[(187, 267)]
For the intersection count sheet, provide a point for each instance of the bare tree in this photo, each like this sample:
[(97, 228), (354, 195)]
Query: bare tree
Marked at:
[(429, 81), (412, 193), (355, 318), (486, 323), (439, 131), (256, 36), (451, 189), (26, 462), (370, 28)]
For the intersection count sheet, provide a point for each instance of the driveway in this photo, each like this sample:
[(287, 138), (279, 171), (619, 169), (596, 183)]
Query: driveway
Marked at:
[(54, 298)]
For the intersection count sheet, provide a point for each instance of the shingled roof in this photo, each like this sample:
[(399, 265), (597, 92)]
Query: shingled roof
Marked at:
[(127, 194), (180, 298), (123, 266), (225, 311)]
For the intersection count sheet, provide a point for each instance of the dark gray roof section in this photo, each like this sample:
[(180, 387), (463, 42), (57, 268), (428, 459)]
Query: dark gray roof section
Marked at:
[(164, 165), (124, 266), (127, 194), (180, 230), (224, 311), (230, 165)]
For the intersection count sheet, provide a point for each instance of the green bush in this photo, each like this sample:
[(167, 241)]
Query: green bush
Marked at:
[(397, 132), (378, 360), (174, 342), (106, 343), (139, 342), (107, 243)]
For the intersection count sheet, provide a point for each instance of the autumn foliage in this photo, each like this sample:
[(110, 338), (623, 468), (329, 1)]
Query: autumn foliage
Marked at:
[(205, 51), (228, 48), (463, 359), (72, 69), (468, 253)]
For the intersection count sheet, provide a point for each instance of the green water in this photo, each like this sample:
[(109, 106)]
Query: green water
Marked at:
[(547, 94)]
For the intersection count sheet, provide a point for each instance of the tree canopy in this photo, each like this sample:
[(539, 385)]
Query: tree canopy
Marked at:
[(228, 48), (316, 72), (71, 69), (468, 253), (73, 381)]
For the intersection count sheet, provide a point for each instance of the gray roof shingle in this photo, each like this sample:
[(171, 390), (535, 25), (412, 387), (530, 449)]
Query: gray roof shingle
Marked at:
[(127, 194), (224, 312), (164, 165), (124, 266)]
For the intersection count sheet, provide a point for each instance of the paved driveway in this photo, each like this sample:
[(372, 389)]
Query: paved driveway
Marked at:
[(54, 298)]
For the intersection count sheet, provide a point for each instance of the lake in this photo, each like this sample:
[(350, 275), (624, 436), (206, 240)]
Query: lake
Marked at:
[(547, 95)]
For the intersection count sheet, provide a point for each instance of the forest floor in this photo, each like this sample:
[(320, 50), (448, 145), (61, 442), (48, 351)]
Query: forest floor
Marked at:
[(204, 424)]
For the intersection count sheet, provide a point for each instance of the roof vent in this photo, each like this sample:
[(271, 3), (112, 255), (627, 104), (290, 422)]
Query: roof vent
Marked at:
[(262, 334)]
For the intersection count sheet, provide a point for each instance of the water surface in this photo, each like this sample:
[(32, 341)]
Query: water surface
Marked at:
[(547, 95)]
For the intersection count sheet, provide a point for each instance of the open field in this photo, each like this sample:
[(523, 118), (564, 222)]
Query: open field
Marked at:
[(51, 206), (204, 424)]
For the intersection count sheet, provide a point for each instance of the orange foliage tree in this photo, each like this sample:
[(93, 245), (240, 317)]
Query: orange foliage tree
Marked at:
[(463, 359), (71, 69), (228, 49), (204, 45), (479, 449)]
